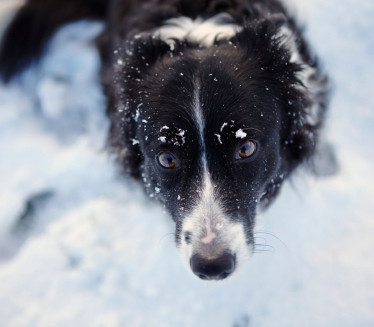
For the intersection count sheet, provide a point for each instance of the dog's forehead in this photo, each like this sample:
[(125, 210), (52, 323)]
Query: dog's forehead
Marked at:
[(207, 95)]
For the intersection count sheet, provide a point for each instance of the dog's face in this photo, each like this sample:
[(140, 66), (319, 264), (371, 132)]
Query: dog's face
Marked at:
[(211, 145), (213, 135)]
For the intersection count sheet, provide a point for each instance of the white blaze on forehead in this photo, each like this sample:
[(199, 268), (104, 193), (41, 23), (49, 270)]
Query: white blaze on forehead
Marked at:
[(203, 32), (207, 211), (212, 231), (198, 114)]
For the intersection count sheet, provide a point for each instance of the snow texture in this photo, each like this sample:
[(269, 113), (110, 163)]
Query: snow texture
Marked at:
[(82, 246), (240, 134)]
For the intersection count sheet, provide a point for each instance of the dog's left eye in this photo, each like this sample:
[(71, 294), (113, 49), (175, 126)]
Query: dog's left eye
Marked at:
[(166, 159), (245, 150)]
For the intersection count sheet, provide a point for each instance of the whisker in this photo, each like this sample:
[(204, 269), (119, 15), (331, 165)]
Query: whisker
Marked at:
[(165, 236), (260, 252), (276, 237), (264, 247), (259, 238)]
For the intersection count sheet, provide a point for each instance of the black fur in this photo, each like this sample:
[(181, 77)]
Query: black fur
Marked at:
[(248, 82)]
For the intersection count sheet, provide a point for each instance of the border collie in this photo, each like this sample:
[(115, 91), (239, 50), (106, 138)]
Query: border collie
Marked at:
[(212, 103)]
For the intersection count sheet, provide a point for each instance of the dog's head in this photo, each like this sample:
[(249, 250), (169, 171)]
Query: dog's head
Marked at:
[(213, 132)]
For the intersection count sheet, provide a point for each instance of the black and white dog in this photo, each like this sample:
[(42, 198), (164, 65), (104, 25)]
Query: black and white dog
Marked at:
[(213, 104)]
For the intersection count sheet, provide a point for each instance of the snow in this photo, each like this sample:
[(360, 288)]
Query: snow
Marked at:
[(162, 139), (219, 138), (223, 126), (181, 134), (240, 134), (99, 253)]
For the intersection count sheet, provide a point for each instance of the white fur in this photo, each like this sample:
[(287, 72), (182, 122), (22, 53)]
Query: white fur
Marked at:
[(203, 32), (212, 231), (290, 42), (210, 235), (198, 114), (306, 74)]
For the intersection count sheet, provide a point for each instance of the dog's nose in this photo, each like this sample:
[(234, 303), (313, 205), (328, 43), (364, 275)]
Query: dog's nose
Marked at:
[(215, 269)]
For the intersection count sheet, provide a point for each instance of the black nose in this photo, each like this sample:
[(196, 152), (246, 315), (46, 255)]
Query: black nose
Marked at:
[(218, 268)]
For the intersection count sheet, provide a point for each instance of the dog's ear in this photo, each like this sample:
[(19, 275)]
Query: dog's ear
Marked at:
[(276, 20), (275, 52), (269, 25), (305, 116), (261, 40), (144, 50), (131, 61)]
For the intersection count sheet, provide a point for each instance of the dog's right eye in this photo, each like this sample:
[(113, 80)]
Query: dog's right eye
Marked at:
[(245, 150), (166, 160)]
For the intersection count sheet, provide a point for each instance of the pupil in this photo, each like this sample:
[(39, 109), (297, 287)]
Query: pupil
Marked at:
[(168, 159), (244, 148)]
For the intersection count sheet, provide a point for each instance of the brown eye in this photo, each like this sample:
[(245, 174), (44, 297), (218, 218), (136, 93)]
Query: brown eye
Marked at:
[(245, 150), (166, 160)]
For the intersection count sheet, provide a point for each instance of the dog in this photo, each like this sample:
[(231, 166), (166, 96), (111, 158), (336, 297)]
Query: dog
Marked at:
[(212, 103)]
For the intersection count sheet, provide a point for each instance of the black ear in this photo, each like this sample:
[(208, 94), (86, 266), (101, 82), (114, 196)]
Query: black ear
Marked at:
[(262, 36), (305, 116), (123, 79), (143, 51), (276, 20), (269, 24)]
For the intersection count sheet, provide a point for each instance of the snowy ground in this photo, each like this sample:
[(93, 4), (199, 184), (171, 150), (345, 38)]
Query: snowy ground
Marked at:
[(90, 250)]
